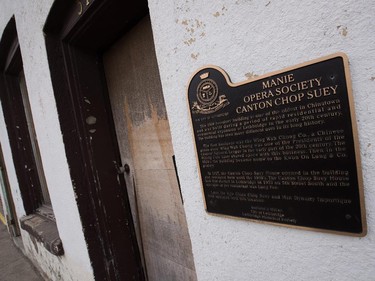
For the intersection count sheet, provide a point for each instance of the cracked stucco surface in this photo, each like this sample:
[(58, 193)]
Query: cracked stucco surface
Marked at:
[(249, 38)]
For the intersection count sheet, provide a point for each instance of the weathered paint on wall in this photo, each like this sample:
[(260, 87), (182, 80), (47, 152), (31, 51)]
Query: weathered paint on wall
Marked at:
[(246, 38), (249, 38), (30, 17)]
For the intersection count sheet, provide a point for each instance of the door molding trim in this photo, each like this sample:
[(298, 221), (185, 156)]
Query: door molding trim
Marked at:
[(15, 118), (76, 36)]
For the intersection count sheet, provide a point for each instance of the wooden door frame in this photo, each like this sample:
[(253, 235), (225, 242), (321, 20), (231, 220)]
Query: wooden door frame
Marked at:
[(77, 33), (15, 119)]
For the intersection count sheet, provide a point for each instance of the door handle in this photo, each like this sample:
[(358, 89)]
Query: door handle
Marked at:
[(122, 169)]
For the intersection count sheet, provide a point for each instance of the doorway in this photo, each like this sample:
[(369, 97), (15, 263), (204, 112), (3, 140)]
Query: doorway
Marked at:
[(10, 217), (144, 140), (117, 141)]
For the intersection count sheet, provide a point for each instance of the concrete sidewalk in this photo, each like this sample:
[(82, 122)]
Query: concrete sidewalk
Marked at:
[(14, 266)]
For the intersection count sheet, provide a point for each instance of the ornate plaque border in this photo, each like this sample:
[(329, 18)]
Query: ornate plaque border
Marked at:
[(353, 127)]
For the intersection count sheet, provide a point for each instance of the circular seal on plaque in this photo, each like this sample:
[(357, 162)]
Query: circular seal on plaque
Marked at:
[(207, 92)]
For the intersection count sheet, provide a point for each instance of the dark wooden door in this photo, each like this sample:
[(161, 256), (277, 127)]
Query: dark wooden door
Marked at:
[(77, 32)]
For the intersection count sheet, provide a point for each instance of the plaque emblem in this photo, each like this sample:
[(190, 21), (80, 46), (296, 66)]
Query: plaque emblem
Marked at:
[(208, 98)]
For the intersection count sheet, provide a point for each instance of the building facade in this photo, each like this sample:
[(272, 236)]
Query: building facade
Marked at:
[(99, 171)]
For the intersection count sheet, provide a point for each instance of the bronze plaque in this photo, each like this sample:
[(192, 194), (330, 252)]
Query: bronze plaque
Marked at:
[(282, 148)]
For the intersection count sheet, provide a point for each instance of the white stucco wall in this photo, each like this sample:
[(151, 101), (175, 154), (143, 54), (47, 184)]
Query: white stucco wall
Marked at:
[(30, 17), (247, 37), (243, 37)]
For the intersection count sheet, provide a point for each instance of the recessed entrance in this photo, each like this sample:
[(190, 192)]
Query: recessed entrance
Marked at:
[(117, 140), (144, 139)]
